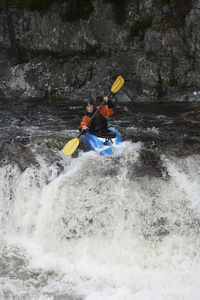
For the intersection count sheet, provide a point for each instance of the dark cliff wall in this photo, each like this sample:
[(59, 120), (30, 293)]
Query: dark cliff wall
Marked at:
[(153, 44)]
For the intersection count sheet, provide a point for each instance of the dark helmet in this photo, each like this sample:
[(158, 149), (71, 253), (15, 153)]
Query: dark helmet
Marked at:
[(87, 102)]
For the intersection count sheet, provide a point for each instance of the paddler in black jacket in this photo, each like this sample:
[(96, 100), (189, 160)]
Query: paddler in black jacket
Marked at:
[(98, 126)]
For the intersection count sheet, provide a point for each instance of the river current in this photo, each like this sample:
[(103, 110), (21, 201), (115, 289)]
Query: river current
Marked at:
[(88, 227)]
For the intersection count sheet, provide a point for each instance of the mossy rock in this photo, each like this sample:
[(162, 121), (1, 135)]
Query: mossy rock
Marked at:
[(138, 27)]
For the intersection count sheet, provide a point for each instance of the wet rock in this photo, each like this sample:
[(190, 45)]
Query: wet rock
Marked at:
[(19, 154), (150, 164)]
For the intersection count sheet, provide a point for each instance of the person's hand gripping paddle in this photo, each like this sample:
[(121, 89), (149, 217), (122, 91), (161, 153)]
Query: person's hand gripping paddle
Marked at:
[(71, 146)]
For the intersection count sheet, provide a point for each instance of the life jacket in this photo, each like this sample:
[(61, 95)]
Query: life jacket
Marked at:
[(98, 122)]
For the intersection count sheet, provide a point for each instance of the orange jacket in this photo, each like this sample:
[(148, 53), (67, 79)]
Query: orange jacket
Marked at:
[(104, 110)]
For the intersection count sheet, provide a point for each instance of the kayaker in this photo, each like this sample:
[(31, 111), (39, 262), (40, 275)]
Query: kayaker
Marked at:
[(99, 125)]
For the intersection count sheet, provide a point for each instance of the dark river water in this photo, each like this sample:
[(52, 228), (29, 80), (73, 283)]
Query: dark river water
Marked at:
[(85, 226), (163, 127)]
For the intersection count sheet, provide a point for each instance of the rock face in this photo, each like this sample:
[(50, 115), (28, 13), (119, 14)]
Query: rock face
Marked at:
[(156, 51)]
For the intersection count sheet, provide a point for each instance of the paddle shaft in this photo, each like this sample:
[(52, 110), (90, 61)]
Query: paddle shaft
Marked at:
[(71, 146), (94, 115)]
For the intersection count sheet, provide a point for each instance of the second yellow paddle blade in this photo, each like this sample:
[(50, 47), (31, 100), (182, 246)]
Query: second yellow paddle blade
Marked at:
[(117, 84), (71, 146)]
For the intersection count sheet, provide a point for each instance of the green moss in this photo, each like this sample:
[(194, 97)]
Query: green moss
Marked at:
[(161, 3), (28, 53), (175, 23), (172, 77), (138, 27), (94, 52), (172, 80), (91, 52)]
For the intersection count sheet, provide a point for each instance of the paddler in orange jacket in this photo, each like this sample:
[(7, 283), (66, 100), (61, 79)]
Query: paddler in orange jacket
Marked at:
[(98, 126)]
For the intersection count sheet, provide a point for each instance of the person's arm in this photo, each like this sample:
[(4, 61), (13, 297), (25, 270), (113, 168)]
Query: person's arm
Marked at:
[(109, 103), (108, 108), (83, 125)]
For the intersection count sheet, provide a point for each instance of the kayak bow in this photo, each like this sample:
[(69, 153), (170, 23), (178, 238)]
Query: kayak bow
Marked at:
[(103, 145)]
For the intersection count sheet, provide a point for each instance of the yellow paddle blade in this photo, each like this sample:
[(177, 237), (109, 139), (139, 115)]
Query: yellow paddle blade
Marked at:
[(117, 84), (71, 146)]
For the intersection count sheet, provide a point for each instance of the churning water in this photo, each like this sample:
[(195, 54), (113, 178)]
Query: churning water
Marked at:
[(123, 227)]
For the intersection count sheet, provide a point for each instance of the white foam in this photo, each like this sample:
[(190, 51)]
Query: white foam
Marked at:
[(93, 230)]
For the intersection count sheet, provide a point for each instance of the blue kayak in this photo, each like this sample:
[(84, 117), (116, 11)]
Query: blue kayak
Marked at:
[(103, 145)]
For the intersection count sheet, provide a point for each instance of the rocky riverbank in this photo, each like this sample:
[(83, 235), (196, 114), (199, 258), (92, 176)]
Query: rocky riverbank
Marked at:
[(156, 50)]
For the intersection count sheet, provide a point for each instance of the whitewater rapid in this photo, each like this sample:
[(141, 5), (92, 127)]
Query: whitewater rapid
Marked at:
[(98, 231)]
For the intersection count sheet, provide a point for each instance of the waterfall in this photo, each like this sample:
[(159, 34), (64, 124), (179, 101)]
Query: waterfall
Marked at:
[(97, 230)]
